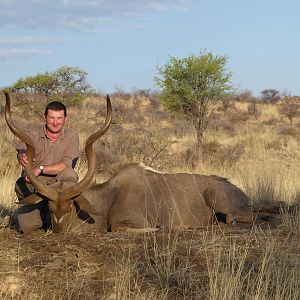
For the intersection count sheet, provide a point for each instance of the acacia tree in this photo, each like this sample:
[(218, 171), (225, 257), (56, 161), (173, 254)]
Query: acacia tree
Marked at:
[(68, 84), (289, 107), (270, 95), (192, 85), (71, 80), (43, 84)]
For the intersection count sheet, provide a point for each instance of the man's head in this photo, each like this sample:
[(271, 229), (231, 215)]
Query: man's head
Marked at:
[(57, 106), (55, 116)]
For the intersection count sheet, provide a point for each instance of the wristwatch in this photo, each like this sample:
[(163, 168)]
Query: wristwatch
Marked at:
[(42, 169)]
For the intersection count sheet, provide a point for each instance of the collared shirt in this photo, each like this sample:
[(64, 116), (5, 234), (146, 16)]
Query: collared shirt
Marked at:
[(65, 149)]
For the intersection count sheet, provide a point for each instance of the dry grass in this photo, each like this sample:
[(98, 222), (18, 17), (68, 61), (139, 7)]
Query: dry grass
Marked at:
[(257, 151)]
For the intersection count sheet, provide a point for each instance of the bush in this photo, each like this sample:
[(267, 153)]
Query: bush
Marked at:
[(289, 108), (220, 156), (238, 116), (150, 148), (288, 131), (67, 84), (253, 110)]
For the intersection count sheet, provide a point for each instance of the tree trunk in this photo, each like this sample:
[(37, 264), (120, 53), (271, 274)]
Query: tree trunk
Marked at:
[(200, 132)]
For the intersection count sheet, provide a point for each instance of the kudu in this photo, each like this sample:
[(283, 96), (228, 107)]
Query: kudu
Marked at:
[(136, 197)]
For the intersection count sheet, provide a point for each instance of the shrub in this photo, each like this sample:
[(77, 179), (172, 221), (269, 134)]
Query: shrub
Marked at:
[(238, 116), (66, 84), (253, 110), (288, 131), (289, 108), (219, 155)]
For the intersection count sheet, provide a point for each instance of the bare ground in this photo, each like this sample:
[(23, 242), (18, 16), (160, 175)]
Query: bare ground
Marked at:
[(161, 265)]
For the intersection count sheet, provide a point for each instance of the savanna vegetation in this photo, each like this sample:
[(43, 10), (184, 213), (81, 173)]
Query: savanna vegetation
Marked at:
[(254, 142)]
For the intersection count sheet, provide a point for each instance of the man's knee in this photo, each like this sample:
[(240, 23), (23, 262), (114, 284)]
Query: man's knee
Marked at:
[(29, 221), (67, 175)]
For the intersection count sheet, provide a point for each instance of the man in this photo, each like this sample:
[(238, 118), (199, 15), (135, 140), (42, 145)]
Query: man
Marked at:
[(56, 153)]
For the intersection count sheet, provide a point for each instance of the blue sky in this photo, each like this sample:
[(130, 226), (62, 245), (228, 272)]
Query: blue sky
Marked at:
[(120, 43)]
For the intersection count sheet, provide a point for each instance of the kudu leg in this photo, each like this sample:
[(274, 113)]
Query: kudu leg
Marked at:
[(124, 228)]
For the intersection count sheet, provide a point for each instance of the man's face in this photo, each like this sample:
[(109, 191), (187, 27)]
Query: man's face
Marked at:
[(55, 120)]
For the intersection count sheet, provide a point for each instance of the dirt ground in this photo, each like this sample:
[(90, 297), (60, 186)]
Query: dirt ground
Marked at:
[(59, 266), (44, 265)]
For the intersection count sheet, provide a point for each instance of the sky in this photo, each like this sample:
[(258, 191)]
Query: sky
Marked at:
[(120, 43)]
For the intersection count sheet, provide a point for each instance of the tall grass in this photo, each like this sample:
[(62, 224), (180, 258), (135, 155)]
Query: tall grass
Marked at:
[(228, 278), (211, 266), (234, 274), (265, 183)]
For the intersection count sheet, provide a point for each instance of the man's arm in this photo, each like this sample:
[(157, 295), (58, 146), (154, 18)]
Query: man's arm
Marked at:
[(69, 158), (50, 169), (47, 170), (53, 169)]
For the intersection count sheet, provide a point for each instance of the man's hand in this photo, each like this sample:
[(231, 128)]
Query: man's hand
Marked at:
[(22, 158), (36, 172)]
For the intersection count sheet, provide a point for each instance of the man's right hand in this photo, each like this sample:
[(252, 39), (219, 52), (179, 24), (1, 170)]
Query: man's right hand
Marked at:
[(22, 158), (35, 171)]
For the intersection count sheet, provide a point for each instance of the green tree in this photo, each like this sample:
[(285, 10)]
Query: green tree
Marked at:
[(71, 80), (270, 95), (68, 84), (43, 84), (191, 86)]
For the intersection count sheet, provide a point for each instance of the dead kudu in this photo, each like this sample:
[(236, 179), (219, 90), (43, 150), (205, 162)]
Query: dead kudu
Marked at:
[(135, 198)]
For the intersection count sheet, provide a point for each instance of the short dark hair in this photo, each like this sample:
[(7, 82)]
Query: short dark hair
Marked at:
[(56, 105)]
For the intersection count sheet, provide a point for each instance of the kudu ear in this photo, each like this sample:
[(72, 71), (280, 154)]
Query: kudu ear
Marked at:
[(31, 199), (86, 205)]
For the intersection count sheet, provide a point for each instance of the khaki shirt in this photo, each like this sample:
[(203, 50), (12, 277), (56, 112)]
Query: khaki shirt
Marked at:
[(65, 149)]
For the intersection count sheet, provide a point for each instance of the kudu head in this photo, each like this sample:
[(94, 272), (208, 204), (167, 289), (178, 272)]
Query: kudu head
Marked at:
[(60, 196)]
